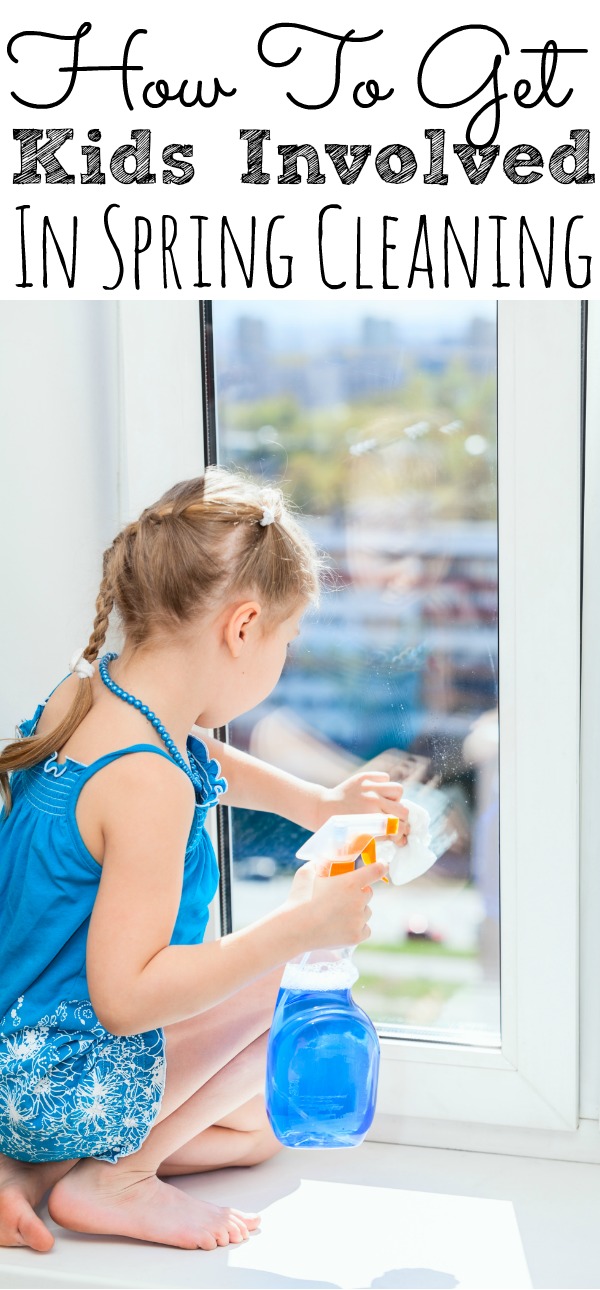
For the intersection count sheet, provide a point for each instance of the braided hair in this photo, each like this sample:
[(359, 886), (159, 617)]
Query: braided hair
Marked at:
[(205, 540)]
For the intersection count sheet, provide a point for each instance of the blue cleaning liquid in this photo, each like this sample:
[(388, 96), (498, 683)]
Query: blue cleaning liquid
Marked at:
[(322, 1069)]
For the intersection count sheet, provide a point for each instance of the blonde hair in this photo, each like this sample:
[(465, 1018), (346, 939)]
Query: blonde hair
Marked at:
[(201, 543)]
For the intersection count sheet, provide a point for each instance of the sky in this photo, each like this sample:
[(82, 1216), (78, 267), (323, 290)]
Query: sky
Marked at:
[(293, 321)]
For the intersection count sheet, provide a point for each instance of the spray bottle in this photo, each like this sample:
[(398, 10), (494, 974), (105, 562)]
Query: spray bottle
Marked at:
[(323, 1051)]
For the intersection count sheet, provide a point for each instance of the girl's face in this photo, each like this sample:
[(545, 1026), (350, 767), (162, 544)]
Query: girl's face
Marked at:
[(271, 650), (255, 658)]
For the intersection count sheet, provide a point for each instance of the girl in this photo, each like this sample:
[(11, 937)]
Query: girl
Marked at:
[(130, 1052)]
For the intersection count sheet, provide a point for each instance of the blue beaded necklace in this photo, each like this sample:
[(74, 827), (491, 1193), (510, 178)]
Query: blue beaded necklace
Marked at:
[(152, 718)]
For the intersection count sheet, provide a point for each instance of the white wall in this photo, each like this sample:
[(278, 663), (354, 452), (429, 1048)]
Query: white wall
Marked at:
[(58, 487), (100, 411), (161, 400)]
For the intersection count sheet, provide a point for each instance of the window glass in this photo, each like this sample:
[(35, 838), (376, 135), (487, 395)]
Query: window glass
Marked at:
[(380, 423)]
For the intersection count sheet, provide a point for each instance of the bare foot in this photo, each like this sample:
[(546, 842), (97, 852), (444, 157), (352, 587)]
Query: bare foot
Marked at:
[(93, 1198), (22, 1186)]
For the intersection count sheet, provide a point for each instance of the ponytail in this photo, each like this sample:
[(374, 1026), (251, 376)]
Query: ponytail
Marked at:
[(28, 751)]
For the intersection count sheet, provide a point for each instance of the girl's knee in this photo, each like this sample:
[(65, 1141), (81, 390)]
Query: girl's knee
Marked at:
[(264, 1145), (265, 992), (260, 1139)]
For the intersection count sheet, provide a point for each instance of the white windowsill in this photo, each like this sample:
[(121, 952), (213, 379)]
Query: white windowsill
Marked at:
[(380, 1216)]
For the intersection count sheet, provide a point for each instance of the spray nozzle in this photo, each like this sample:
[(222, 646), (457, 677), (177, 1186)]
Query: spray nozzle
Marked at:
[(344, 838)]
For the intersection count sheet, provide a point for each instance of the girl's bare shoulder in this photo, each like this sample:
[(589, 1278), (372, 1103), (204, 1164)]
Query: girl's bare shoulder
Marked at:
[(57, 706), (131, 780), (108, 726)]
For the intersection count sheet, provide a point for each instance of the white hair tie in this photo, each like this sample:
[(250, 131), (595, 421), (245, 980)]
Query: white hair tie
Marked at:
[(268, 516), (80, 666)]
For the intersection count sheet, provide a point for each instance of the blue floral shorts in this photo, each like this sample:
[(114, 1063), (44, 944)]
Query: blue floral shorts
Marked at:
[(69, 1088)]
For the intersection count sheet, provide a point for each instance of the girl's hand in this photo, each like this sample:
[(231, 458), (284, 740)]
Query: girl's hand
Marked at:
[(365, 793), (333, 911)]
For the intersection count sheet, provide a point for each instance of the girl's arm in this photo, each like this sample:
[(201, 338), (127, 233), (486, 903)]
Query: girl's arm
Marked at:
[(260, 787), (137, 980)]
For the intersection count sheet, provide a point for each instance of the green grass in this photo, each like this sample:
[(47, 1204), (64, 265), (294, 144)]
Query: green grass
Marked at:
[(430, 948), (415, 988)]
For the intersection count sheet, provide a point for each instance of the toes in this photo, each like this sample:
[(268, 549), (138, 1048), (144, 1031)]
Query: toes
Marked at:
[(250, 1221), (206, 1240), (237, 1231), (233, 1232), (32, 1232)]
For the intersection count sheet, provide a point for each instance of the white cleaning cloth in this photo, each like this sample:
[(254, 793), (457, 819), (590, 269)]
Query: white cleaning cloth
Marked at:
[(414, 858)]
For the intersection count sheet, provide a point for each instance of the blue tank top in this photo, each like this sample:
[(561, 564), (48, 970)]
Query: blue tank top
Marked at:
[(49, 880)]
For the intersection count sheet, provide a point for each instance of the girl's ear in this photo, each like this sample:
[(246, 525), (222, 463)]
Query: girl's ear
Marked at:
[(240, 626)]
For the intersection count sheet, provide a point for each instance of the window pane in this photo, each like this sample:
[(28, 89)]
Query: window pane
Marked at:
[(381, 425)]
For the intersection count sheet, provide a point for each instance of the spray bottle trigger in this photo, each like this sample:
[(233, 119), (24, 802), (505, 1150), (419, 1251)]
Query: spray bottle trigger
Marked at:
[(341, 866), (369, 854)]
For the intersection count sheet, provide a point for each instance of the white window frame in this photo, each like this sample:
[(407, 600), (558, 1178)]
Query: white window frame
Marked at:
[(590, 742), (524, 1097)]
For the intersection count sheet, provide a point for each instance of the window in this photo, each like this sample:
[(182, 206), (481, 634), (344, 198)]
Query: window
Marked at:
[(437, 1064), (382, 426)]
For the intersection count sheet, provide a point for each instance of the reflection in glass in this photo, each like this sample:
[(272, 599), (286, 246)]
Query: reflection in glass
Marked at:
[(382, 428)]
